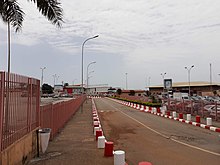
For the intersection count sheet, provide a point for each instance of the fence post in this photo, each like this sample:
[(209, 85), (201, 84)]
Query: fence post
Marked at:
[(2, 82), (216, 115), (38, 116)]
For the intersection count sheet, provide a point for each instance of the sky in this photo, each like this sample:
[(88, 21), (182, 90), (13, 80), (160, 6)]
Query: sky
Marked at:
[(143, 38)]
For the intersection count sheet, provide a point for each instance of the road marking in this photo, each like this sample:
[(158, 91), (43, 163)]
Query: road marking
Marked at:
[(167, 137)]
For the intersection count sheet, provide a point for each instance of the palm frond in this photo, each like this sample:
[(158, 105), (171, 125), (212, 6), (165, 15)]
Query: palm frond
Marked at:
[(10, 11), (51, 9)]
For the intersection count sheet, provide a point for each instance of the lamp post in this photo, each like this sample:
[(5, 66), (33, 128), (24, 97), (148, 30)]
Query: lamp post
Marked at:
[(54, 79), (74, 81), (89, 77), (82, 58), (42, 75), (189, 69), (87, 84), (126, 80), (163, 75)]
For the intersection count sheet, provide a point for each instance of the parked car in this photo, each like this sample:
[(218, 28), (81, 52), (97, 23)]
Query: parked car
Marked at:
[(212, 109)]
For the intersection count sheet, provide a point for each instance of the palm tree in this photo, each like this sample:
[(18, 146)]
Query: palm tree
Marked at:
[(10, 11), (12, 14)]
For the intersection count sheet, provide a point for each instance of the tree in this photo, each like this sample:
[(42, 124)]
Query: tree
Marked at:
[(132, 93), (119, 91), (66, 84), (10, 11), (47, 89)]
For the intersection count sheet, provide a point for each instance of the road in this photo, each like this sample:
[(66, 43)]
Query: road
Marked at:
[(147, 137)]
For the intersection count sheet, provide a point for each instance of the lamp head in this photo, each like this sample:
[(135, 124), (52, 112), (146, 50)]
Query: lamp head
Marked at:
[(96, 36)]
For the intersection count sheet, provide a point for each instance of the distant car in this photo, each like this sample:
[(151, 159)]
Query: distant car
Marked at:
[(212, 109), (56, 96)]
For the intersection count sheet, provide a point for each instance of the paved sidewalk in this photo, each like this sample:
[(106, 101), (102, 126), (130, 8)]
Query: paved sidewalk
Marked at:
[(75, 144)]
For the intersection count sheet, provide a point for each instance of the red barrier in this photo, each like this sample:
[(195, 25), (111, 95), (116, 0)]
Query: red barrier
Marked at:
[(168, 113), (98, 133), (158, 109), (180, 116), (197, 119), (108, 149)]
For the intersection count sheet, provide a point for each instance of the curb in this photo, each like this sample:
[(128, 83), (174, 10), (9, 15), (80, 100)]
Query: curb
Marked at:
[(152, 110)]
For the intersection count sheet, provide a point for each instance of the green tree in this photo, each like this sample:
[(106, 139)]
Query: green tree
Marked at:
[(11, 12), (119, 91), (47, 89), (132, 93)]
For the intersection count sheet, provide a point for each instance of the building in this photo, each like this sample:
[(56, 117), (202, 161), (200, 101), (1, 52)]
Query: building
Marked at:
[(133, 93), (198, 88), (91, 90)]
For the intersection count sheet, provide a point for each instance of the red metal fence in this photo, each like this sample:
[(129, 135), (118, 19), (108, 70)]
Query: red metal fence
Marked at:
[(202, 108), (19, 107), (55, 116), (20, 110)]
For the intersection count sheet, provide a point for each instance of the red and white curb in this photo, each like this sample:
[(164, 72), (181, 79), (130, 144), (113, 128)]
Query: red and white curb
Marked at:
[(160, 112), (102, 143)]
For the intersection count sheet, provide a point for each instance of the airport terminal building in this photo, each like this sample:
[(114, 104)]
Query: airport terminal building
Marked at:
[(198, 88)]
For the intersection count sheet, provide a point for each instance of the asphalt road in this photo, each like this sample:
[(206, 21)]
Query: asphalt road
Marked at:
[(147, 137)]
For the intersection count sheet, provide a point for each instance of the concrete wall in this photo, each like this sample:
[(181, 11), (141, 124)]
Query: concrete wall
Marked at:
[(21, 151)]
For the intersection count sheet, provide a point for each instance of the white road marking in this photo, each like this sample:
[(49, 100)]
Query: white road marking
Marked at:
[(167, 137)]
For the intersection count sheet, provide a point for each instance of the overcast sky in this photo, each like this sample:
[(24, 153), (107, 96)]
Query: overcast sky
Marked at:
[(142, 38)]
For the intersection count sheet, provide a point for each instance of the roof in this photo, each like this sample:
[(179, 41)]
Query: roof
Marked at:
[(137, 91), (186, 84)]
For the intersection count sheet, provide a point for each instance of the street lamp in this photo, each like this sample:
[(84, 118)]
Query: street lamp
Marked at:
[(82, 57), (88, 73), (74, 81), (163, 75), (54, 79), (42, 75), (189, 69), (89, 77), (126, 76)]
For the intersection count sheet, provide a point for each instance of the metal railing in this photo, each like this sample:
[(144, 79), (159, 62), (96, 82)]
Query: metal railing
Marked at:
[(19, 107), (55, 116), (202, 108)]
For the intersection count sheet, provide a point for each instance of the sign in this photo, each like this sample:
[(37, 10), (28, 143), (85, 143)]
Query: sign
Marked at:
[(168, 84)]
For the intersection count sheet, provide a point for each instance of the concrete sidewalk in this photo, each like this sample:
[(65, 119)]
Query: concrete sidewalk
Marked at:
[(75, 144)]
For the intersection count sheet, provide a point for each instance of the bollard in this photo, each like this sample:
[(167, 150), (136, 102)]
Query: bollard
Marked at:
[(208, 121), (174, 114), (101, 142), (96, 123), (180, 116), (95, 119), (96, 129), (188, 117), (108, 149), (197, 119), (119, 157), (144, 163), (158, 109), (98, 133)]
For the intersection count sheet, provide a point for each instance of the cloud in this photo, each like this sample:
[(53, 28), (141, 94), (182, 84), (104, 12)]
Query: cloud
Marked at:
[(149, 35)]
